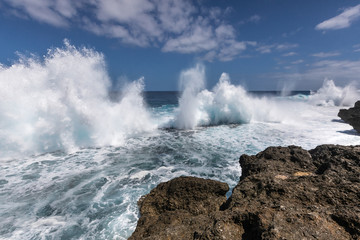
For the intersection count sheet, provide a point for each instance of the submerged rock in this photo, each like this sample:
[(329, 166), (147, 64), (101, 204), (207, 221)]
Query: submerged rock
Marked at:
[(351, 116), (283, 193)]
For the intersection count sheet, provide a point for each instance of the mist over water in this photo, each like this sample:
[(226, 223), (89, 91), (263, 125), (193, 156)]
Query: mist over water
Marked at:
[(74, 162)]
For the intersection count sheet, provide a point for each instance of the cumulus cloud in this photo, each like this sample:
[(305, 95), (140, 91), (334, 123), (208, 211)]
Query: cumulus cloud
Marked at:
[(200, 38), (343, 20), (172, 25), (325, 54)]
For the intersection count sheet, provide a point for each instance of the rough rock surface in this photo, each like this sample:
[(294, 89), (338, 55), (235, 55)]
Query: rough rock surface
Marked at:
[(283, 193), (351, 116)]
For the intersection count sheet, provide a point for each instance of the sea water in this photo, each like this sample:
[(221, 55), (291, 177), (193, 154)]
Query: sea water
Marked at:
[(74, 158)]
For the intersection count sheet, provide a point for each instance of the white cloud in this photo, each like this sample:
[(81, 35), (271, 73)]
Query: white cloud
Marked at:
[(225, 32), (172, 25), (56, 13), (286, 46), (356, 47), (135, 15), (292, 33), (326, 54), (231, 49), (122, 10), (343, 72), (277, 47), (200, 38), (176, 15), (342, 20), (289, 54), (254, 18), (265, 48), (297, 61), (115, 31)]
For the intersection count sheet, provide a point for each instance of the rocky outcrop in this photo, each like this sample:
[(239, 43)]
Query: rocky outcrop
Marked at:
[(180, 208), (283, 193), (351, 116)]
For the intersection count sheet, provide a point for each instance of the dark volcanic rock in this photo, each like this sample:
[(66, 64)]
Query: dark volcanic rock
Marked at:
[(180, 208), (351, 116), (283, 193)]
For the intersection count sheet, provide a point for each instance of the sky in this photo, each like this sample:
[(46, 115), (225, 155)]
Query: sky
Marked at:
[(261, 44)]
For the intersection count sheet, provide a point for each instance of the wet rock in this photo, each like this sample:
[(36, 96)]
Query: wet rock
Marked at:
[(283, 193), (351, 116)]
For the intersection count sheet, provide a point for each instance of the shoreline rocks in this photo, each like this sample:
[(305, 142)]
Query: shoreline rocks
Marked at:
[(351, 116), (283, 193)]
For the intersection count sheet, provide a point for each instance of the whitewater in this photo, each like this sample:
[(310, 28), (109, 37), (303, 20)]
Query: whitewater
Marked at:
[(75, 157)]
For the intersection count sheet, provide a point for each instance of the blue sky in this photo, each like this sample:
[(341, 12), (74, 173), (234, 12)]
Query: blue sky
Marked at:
[(263, 45)]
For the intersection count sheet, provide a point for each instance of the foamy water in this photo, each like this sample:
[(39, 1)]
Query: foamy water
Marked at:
[(74, 163), (61, 103)]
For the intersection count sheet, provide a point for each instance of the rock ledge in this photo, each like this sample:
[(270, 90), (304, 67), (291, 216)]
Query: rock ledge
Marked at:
[(283, 193), (351, 116)]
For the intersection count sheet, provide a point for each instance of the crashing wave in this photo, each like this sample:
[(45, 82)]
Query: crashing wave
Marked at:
[(331, 95), (62, 103)]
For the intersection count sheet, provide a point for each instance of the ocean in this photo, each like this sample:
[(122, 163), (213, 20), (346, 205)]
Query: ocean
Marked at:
[(75, 158)]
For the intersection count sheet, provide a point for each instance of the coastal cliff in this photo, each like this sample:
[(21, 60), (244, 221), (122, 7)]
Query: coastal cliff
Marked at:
[(351, 116), (283, 193)]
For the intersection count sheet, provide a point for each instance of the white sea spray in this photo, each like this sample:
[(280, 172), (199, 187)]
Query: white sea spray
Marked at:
[(61, 103)]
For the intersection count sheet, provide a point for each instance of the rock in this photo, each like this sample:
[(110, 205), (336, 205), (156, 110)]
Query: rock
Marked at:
[(180, 208), (283, 193), (351, 116)]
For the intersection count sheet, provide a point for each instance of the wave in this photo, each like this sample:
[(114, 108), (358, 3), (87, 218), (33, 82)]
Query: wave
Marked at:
[(230, 104), (331, 95), (224, 104), (61, 102)]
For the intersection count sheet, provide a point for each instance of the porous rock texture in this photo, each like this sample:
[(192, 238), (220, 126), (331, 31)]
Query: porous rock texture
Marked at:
[(351, 116), (283, 193)]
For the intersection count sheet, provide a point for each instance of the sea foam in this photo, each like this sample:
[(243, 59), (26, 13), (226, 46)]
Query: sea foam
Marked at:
[(61, 102), (227, 103), (331, 95)]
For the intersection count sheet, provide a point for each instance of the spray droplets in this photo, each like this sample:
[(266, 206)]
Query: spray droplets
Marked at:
[(62, 103)]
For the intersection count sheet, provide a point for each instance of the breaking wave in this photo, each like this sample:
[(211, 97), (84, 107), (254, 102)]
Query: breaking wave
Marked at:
[(230, 104), (224, 104), (61, 102), (331, 95)]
